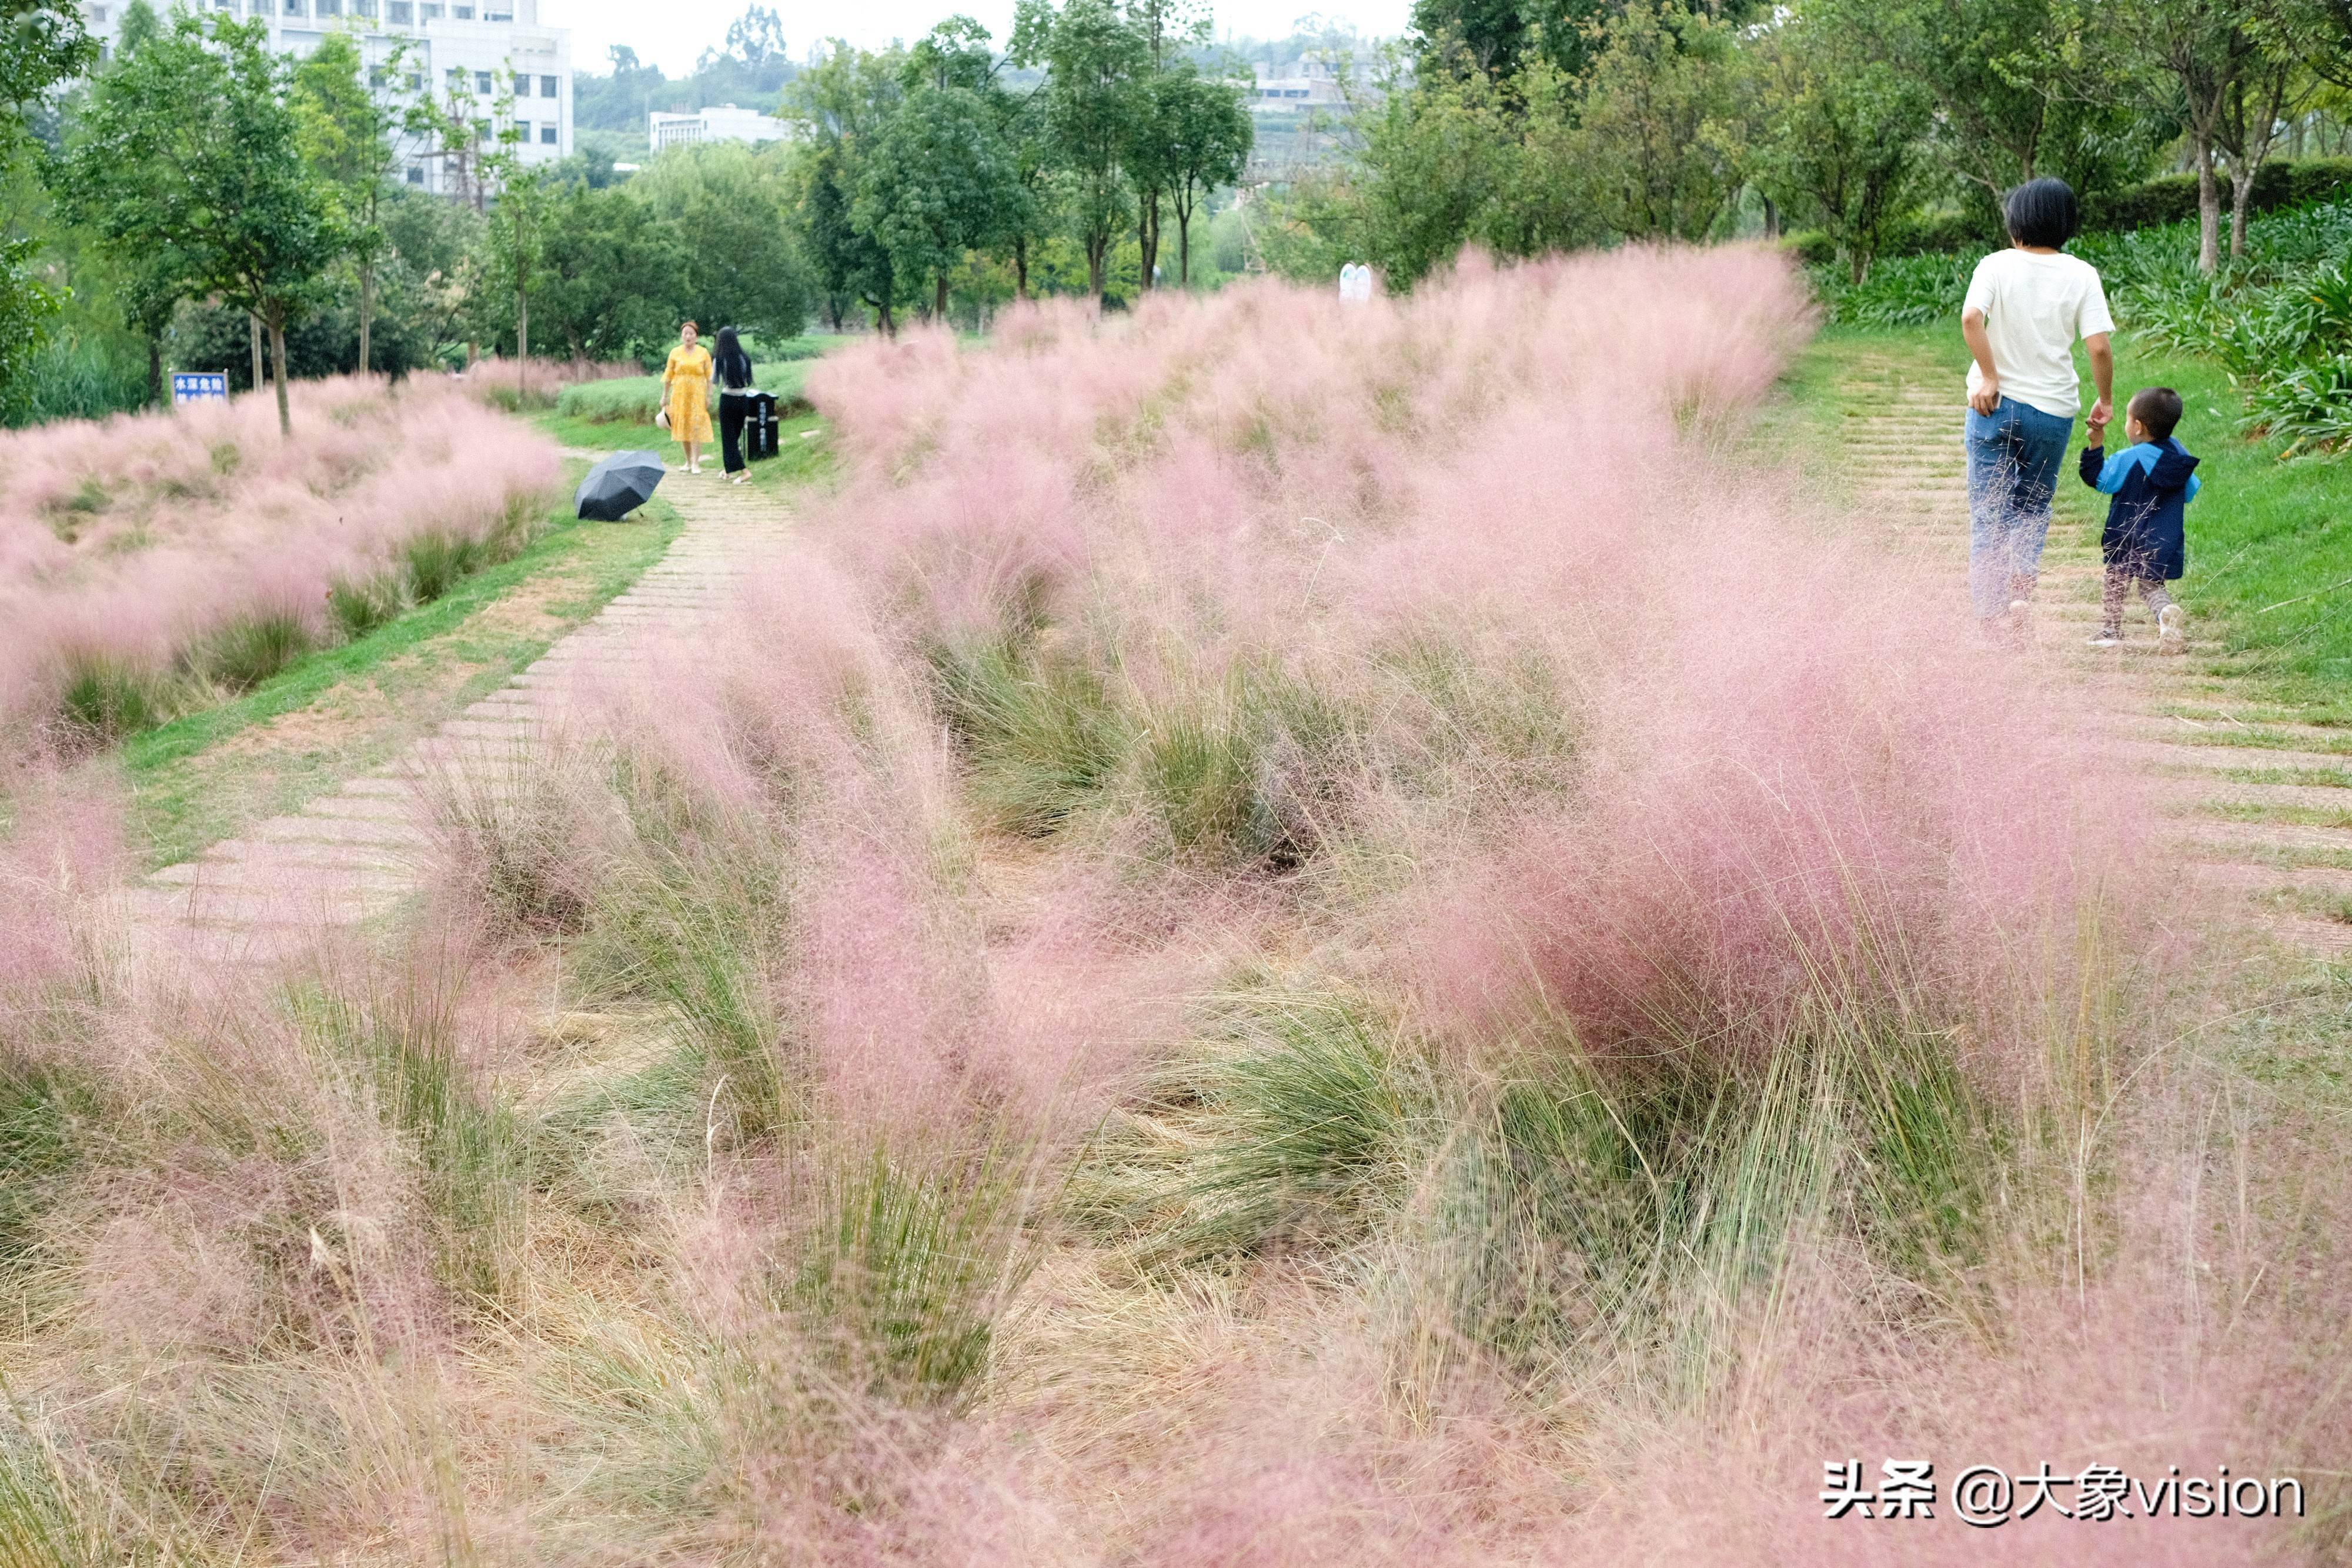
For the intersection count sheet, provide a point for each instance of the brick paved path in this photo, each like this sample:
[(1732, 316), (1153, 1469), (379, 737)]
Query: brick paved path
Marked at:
[(353, 854)]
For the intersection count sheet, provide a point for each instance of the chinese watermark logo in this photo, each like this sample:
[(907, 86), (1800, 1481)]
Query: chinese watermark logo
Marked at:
[(1989, 1497)]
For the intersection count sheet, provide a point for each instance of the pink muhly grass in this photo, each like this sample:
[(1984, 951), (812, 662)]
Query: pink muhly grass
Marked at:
[(134, 539)]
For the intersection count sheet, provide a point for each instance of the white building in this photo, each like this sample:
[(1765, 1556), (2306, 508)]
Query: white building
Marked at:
[(480, 48), (1307, 82), (724, 123)]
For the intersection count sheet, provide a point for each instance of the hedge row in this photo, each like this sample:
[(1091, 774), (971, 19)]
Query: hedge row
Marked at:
[(2281, 182)]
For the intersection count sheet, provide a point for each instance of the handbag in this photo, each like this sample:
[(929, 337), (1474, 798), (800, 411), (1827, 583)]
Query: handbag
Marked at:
[(661, 417)]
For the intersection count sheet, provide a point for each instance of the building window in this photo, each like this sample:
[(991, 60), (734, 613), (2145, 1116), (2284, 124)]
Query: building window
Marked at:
[(461, 13), (416, 173), (482, 81), (503, 13), (547, 135), (547, 88), (293, 8), (330, 7), (363, 8), (400, 14), (429, 11), (105, 53), (416, 81), (97, 15), (482, 131)]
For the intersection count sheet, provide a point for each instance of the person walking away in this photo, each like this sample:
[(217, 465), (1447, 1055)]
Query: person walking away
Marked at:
[(2026, 307), (733, 367), (686, 396), (2146, 544)]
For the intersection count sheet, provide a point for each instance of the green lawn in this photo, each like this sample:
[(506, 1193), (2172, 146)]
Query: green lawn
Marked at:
[(804, 449), (2270, 541), (342, 711)]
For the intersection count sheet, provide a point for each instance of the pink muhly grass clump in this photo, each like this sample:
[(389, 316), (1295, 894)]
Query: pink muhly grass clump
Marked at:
[(133, 540)]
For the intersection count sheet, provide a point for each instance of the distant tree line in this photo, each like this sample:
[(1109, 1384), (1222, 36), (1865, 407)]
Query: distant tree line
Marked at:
[(200, 199), (1530, 125), (918, 161)]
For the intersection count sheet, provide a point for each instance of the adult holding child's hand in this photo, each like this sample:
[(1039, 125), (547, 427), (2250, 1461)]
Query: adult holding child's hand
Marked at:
[(2026, 308)]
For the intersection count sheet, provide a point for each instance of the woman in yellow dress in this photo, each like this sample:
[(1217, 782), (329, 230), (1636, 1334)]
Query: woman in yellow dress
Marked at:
[(686, 395)]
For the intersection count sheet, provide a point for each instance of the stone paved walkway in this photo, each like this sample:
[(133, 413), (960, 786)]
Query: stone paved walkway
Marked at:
[(2263, 807), (353, 854)]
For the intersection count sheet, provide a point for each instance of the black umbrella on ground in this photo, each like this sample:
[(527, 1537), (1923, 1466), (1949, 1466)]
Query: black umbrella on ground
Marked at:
[(619, 486)]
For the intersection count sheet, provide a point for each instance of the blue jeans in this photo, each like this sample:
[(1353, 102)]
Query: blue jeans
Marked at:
[(2013, 458)]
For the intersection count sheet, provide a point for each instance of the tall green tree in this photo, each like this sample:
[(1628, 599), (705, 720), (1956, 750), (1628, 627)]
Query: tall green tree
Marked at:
[(1658, 139), (609, 275), (746, 267), (344, 127), (1093, 61), (846, 104), (1208, 138), (517, 229), (942, 181), (219, 185), (1836, 135), (41, 44), (2009, 83)]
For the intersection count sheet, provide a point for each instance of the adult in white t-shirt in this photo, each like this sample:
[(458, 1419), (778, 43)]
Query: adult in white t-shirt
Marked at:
[(2026, 308)]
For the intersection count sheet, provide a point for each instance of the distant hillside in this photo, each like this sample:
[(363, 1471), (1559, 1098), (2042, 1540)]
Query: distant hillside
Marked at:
[(620, 100)]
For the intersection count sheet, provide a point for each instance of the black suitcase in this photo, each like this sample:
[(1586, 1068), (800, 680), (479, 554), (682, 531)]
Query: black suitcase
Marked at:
[(759, 427)]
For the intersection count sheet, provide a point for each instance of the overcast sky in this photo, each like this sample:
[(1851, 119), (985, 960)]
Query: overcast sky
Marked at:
[(672, 33)]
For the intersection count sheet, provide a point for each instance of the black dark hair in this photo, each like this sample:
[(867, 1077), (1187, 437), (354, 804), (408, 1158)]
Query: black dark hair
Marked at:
[(2157, 408), (733, 365), (2042, 211)]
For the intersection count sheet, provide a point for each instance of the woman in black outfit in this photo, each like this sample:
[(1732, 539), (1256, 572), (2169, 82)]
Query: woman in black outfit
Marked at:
[(731, 368)]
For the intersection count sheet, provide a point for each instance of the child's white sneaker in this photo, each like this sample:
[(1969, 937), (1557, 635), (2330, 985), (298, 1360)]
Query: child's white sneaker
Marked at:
[(2172, 630)]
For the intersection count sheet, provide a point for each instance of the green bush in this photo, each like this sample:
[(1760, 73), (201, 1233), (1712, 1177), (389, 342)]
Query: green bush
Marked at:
[(2172, 198), (1811, 246)]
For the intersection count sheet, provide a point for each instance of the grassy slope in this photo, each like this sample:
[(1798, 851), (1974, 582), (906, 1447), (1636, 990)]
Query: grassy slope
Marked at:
[(343, 710), (2270, 545)]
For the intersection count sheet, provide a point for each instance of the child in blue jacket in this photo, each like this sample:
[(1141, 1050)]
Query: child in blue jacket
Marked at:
[(2146, 542)]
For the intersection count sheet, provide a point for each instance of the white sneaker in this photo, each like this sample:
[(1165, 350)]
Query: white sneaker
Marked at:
[(2021, 620), (2106, 640), (2172, 630)]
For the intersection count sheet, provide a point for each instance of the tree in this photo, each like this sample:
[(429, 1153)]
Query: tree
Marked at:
[(846, 103), (150, 288), (940, 185), (1657, 140), (1837, 135), (744, 267), (41, 44), (218, 187), (2005, 80), (941, 181), (516, 226), (2192, 57), (1209, 135), (755, 38), (345, 133), (608, 277), (1093, 59)]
